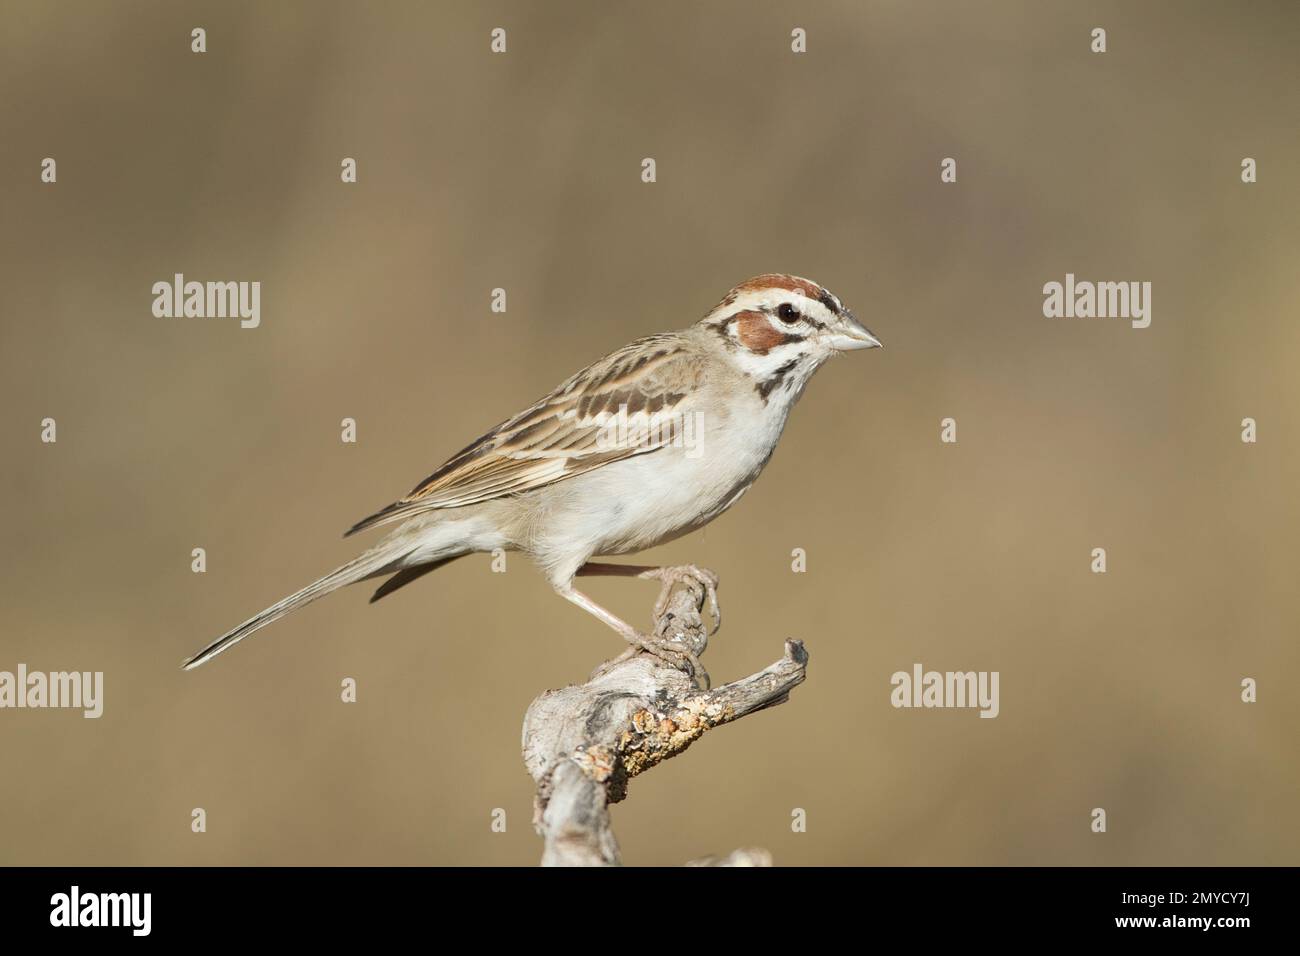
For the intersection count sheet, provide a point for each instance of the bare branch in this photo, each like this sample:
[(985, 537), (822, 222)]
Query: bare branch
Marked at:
[(582, 744)]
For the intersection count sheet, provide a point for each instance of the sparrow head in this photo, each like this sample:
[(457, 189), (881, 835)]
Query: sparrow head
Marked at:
[(780, 328)]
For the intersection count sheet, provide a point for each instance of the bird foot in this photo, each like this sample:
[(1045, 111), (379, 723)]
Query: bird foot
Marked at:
[(671, 653), (681, 574)]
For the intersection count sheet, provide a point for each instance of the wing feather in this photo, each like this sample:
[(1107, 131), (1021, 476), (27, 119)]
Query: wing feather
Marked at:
[(571, 431)]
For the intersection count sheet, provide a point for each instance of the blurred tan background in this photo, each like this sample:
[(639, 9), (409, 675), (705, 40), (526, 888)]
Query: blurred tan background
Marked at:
[(522, 171)]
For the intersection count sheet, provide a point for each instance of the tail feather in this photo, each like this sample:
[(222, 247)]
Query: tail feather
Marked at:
[(368, 565), (404, 577)]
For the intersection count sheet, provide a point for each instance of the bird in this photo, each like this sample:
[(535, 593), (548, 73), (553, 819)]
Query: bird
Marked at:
[(645, 445)]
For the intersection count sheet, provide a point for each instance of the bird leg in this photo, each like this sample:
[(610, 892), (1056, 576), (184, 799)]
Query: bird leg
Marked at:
[(670, 652), (670, 577)]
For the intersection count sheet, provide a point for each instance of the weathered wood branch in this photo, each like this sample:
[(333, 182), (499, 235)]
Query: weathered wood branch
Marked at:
[(582, 744)]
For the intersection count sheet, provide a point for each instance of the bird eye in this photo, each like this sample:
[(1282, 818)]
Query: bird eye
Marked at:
[(788, 313)]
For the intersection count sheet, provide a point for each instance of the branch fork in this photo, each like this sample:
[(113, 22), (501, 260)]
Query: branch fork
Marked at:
[(582, 744)]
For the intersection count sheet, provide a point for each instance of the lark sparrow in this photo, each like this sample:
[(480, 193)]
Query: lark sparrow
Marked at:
[(652, 441)]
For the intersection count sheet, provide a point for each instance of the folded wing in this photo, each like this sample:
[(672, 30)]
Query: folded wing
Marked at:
[(629, 403)]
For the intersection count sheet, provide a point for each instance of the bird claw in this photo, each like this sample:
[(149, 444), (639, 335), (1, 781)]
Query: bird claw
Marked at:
[(675, 656), (669, 652), (673, 576)]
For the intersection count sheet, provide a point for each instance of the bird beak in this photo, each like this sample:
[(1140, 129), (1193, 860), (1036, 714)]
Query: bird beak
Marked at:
[(853, 336)]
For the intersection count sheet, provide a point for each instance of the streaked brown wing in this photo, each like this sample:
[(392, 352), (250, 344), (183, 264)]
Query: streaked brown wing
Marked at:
[(567, 433)]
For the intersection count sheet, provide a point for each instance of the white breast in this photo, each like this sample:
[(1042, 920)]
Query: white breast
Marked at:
[(647, 499)]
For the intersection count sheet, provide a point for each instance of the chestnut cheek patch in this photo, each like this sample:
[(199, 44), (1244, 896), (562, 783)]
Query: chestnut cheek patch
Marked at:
[(755, 333)]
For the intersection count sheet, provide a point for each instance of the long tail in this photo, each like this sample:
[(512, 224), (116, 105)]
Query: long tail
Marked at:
[(368, 565)]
